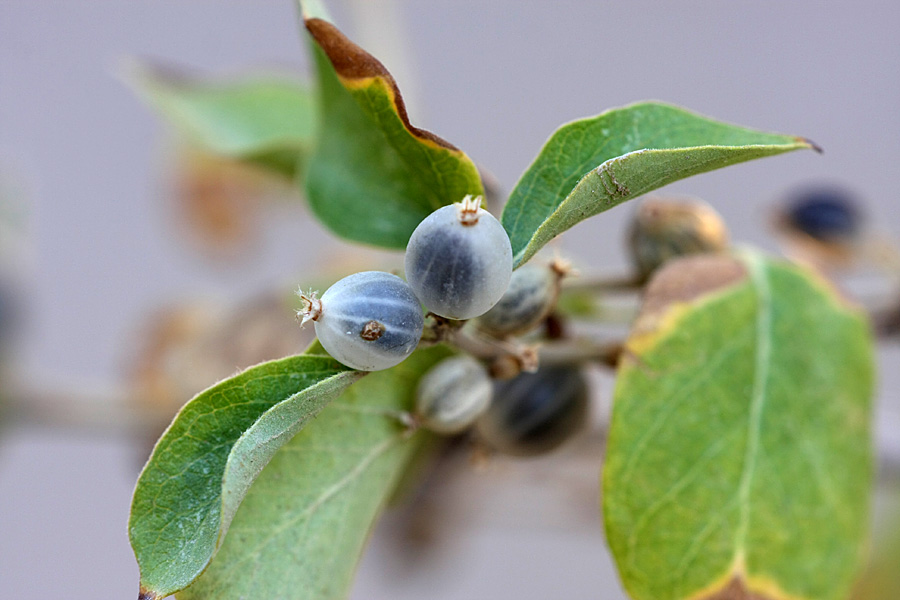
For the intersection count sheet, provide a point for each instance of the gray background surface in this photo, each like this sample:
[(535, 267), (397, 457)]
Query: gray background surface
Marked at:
[(495, 78)]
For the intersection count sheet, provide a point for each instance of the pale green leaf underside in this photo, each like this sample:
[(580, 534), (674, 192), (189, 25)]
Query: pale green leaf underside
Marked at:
[(739, 448), (301, 529), (373, 177), (592, 165), (269, 121), (204, 463)]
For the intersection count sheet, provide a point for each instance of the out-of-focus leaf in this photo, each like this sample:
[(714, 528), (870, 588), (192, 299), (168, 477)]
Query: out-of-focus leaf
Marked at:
[(739, 460), (301, 528), (267, 121), (374, 176), (881, 578), (206, 460), (592, 165)]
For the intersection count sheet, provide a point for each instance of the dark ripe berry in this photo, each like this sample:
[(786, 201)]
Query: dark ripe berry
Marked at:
[(452, 394), (825, 214), (663, 229), (459, 260), (368, 321), (531, 295), (535, 412)]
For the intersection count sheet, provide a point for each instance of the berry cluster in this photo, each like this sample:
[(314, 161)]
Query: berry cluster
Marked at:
[(527, 415), (458, 263), (459, 266)]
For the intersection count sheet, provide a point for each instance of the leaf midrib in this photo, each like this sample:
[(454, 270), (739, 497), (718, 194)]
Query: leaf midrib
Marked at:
[(762, 363)]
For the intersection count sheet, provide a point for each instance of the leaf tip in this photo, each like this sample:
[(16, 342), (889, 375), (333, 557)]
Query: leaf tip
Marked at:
[(135, 73), (145, 594), (149, 80), (811, 144), (354, 65), (312, 8)]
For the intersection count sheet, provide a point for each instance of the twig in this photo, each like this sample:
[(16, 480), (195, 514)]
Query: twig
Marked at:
[(580, 350), (603, 284), (85, 407)]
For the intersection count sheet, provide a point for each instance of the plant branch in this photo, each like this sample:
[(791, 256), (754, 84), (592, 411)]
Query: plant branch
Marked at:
[(604, 284), (87, 407)]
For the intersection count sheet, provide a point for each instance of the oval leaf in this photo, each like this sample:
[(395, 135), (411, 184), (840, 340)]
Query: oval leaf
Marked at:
[(370, 162), (739, 460), (592, 165), (265, 121), (206, 460), (301, 528)]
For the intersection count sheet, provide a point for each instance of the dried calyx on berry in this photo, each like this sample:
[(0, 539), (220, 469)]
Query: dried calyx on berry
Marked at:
[(459, 260), (368, 321)]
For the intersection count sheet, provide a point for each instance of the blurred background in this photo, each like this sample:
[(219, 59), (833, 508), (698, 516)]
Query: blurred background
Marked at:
[(102, 232)]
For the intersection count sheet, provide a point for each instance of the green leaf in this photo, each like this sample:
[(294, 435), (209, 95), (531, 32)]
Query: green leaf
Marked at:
[(204, 463), (592, 165), (266, 121), (301, 529), (739, 460), (373, 176)]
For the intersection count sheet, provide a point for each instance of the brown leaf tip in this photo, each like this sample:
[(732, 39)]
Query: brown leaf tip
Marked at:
[(814, 146), (145, 594), (735, 590), (350, 61)]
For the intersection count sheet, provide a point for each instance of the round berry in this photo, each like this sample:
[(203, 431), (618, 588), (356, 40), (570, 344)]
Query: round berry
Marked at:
[(531, 295), (368, 321), (535, 412), (452, 394), (825, 214), (663, 229), (459, 260)]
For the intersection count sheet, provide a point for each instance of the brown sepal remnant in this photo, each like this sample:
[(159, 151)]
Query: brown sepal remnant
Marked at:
[(371, 331), (352, 62), (145, 594), (735, 590)]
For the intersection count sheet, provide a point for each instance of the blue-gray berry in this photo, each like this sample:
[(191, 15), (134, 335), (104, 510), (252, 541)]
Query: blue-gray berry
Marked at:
[(368, 321), (529, 298), (459, 260)]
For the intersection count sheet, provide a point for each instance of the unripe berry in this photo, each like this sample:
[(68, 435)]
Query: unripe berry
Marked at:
[(368, 321), (459, 260), (663, 229), (535, 412), (452, 394), (531, 295)]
